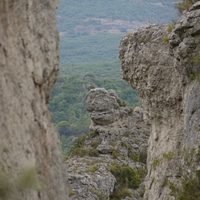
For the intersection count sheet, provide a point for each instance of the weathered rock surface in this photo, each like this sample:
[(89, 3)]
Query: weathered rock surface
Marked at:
[(29, 63), (117, 135), (166, 77)]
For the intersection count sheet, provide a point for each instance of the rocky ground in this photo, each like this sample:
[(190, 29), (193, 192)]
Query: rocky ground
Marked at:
[(109, 162)]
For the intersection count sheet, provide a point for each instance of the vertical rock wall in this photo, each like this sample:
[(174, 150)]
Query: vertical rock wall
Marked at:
[(166, 76), (29, 64)]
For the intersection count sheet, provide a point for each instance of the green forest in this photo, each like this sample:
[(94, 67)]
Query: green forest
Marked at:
[(90, 33), (85, 32), (68, 96)]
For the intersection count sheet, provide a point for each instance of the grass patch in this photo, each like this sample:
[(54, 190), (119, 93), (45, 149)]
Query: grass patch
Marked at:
[(169, 155), (93, 168), (115, 153), (112, 144), (70, 192), (156, 162)]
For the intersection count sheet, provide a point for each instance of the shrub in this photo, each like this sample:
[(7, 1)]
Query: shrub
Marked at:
[(125, 145), (132, 155), (169, 155), (112, 144), (126, 133), (83, 151), (170, 26), (79, 142), (156, 162), (90, 87), (92, 133), (70, 191), (169, 29), (165, 39), (142, 192), (125, 176), (143, 156), (92, 152), (190, 178), (115, 153), (95, 143), (93, 168), (131, 109), (194, 75), (121, 103), (121, 194), (99, 195), (78, 146), (196, 58), (190, 190), (184, 5), (142, 172)]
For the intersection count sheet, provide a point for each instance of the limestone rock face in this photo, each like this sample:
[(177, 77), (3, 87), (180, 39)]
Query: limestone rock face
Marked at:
[(91, 180), (29, 63), (166, 77), (117, 135), (102, 105), (106, 109)]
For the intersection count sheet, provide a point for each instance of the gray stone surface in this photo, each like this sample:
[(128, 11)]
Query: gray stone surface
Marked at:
[(165, 75), (29, 64), (88, 184), (102, 106), (127, 132)]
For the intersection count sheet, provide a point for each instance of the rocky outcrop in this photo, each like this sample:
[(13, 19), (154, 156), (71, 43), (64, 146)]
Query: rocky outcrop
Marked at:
[(166, 77), (117, 137), (30, 158)]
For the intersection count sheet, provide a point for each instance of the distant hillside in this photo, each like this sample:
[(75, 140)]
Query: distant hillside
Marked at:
[(90, 30), (84, 15)]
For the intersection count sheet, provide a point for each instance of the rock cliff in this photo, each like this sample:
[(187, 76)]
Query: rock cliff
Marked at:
[(30, 158), (110, 160), (166, 77)]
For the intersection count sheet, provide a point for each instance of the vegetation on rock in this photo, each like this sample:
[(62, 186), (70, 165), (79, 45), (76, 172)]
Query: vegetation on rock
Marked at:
[(189, 181), (126, 177), (79, 149), (184, 5)]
